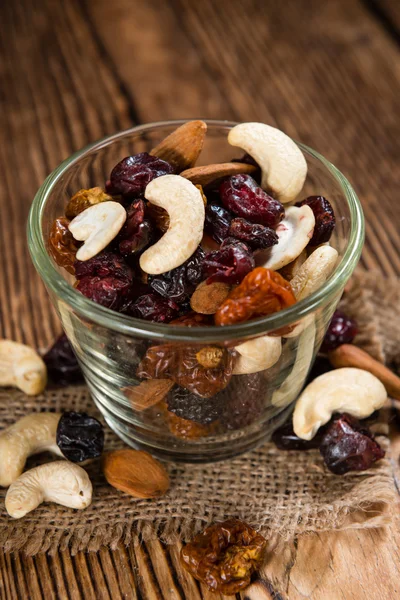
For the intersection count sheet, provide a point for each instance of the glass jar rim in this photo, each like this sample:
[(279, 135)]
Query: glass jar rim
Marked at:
[(137, 327)]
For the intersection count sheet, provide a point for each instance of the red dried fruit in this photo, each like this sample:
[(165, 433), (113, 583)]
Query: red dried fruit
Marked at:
[(62, 245), (180, 283), (261, 293), (152, 307), (347, 445), (224, 556), (255, 235), (217, 222), (137, 231), (105, 264), (324, 219), (341, 330), (130, 176), (241, 195), (230, 264)]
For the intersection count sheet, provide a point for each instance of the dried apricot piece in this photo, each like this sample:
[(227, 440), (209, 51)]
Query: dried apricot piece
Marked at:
[(62, 245), (261, 293)]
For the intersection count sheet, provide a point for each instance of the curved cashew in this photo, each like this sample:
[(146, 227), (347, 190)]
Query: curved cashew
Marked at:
[(184, 203), (97, 226), (314, 272), (30, 435), (354, 391), (257, 355), (62, 482), (293, 383), (22, 367), (294, 233), (292, 268), (282, 163)]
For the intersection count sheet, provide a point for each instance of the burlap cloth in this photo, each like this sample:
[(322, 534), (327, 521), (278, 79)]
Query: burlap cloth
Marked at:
[(278, 492)]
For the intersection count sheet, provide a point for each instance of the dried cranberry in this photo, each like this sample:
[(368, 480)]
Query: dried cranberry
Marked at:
[(189, 406), (241, 195), (217, 222), (255, 235), (110, 292), (341, 330), (137, 231), (105, 264), (285, 438), (324, 218), (130, 176), (180, 283), (62, 366), (152, 307), (79, 436), (230, 264), (347, 445)]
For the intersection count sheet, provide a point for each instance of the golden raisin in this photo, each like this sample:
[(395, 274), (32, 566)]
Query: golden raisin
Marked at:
[(62, 245), (83, 199)]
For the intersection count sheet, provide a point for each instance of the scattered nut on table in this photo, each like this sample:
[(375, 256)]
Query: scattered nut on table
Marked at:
[(21, 367), (185, 207), (61, 482), (349, 390), (282, 163), (97, 226)]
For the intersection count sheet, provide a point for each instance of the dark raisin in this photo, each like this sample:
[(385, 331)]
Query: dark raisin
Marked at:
[(255, 235), (62, 366), (242, 401), (217, 222), (193, 408), (80, 436), (180, 283), (137, 231), (241, 195), (321, 365), (230, 264), (348, 445), (152, 307), (285, 438), (130, 176), (324, 218), (105, 264), (341, 330)]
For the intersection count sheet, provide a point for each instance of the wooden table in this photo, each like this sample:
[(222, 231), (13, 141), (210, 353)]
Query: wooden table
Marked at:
[(328, 73)]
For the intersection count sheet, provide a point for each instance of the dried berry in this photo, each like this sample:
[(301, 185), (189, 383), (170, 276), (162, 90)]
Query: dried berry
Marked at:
[(255, 235), (230, 264), (188, 406), (137, 231), (341, 330), (241, 195), (62, 366), (79, 436), (217, 222), (180, 283), (83, 199), (285, 438), (224, 556), (105, 264), (152, 307), (131, 176), (62, 245), (324, 218), (347, 445), (261, 293), (243, 401)]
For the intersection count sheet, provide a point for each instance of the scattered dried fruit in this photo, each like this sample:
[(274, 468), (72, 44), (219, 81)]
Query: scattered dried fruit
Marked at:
[(217, 222), (341, 330), (224, 556), (80, 436), (135, 472), (62, 246), (187, 430), (62, 367)]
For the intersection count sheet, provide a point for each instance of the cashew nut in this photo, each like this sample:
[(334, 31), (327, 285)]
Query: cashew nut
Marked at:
[(184, 203), (314, 272), (97, 226), (257, 354), (62, 482), (30, 435), (282, 163), (294, 233), (22, 367), (291, 269), (354, 391), (293, 383)]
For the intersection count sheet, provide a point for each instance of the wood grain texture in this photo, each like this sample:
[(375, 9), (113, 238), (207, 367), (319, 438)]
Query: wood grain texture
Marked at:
[(328, 73)]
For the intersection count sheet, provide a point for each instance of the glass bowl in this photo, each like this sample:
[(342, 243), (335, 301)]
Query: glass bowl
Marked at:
[(110, 346)]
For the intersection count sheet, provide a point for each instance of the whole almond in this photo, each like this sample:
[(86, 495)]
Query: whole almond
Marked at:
[(183, 146), (207, 298), (205, 175), (148, 393), (135, 472), (348, 355)]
